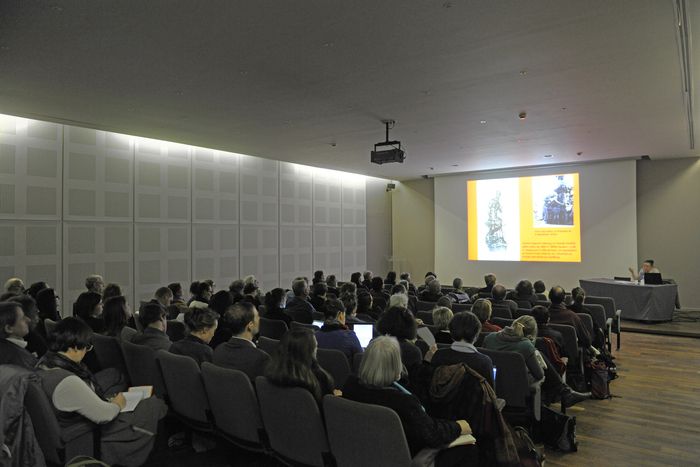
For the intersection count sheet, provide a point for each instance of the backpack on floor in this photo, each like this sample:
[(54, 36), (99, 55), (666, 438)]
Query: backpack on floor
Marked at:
[(527, 451), (558, 431), (600, 380)]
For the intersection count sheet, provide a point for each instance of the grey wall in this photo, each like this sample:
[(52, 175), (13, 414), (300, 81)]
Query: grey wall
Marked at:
[(668, 215), (379, 248), (143, 213), (608, 228), (413, 227)]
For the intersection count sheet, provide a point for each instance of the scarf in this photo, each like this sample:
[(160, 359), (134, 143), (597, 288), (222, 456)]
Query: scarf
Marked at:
[(56, 360)]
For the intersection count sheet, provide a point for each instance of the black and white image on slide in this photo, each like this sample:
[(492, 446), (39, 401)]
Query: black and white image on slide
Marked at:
[(553, 200)]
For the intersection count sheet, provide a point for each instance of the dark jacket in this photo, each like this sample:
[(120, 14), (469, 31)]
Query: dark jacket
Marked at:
[(16, 429), (427, 296), (319, 303), (443, 337), (334, 335), (559, 314), (153, 338), (193, 346), (532, 299), (510, 304), (241, 354), (300, 310), (422, 430), (278, 314), (556, 336), (13, 354), (36, 342), (479, 362), (411, 355)]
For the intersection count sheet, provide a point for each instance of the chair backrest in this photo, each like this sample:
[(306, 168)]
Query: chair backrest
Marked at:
[(185, 388), (272, 328), (502, 322), (46, 427), (587, 321), (426, 316), (267, 344), (234, 405), (356, 362), (511, 380), (50, 326), (293, 423), (485, 295), (109, 353), (318, 316), (175, 330), (143, 370), (522, 311), (364, 434), (544, 303), (128, 333), (424, 306), (608, 304), (570, 339), (524, 304), (480, 339), (336, 363), (457, 307), (501, 311), (297, 324), (597, 312)]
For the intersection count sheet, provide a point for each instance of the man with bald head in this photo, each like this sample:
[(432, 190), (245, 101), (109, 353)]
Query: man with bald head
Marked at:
[(498, 299)]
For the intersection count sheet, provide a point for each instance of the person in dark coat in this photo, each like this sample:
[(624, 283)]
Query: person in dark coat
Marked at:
[(334, 334), (36, 341), (318, 296), (299, 307), (153, 318), (201, 323), (88, 307), (275, 300), (14, 326), (377, 383), (559, 314), (48, 302), (240, 352)]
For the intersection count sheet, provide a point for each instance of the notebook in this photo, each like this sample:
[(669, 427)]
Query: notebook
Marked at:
[(462, 440), (134, 395), (427, 335)]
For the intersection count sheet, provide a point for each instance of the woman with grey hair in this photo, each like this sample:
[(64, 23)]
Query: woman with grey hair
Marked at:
[(377, 383), (441, 320)]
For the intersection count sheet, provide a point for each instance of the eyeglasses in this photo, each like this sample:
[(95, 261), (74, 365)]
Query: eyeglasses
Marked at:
[(89, 348)]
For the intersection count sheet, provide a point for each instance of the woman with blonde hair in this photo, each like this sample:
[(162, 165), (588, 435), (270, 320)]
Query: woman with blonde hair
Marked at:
[(519, 337)]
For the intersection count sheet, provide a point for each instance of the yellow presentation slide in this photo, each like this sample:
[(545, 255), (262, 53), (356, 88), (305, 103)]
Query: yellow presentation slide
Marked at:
[(524, 219)]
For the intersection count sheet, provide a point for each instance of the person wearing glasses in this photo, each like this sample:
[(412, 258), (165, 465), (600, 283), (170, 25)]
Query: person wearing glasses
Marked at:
[(76, 394)]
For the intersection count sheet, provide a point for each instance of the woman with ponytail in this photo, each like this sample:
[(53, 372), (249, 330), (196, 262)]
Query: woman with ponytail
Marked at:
[(519, 337)]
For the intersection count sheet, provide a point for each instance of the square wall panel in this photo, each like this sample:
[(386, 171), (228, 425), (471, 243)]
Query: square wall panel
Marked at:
[(354, 207), (354, 250), (260, 254), (259, 191), (327, 251), (296, 254), (104, 248), (31, 250), (98, 182), (30, 169), (215, 186), (215, 253), (295, 195), (163, 254), (327, 203), (163, 184)]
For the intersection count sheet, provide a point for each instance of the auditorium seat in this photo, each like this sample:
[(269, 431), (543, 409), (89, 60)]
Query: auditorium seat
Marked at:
[(458, 307), (501, 312), (49, 325), (597, 312), (267, 344), (502, 322), (522, 311), (296, 325), (512, 383), (318, 316), (612, 314), (426, 316), (480, 338), (424, 306), (143, 368), (176, 330), (234, 407), (293, 424), (128, 333), (524, 304), (187, 397), (365, 434), (571, 348), (109, 354), (336, 363), (356, 362), (587, 321), (272, 328)]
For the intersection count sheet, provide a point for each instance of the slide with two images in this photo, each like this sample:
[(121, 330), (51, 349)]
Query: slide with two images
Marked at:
[(524, 219)]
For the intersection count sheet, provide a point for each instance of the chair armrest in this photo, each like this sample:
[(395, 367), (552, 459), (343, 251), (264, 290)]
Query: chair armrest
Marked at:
[(618, 313), (536, 389)]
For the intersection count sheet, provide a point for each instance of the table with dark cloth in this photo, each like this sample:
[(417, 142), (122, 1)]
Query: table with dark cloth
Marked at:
[(637, 302)]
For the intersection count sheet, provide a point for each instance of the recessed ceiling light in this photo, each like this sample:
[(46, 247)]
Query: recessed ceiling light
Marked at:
[(328, 44), (547, 156), (455, 165), (563, 108), (483, 122), (580, 153), (522, 115), (523, 72)]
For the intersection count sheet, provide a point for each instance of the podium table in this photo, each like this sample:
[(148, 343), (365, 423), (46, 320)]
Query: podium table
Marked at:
[(637, 302)]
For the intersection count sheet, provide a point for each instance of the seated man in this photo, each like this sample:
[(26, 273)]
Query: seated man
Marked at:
[(490, 280), (334, 334), (95, 283), (14, 326), (299, 307), (559, 314), (349, 301), (464, 329), (432, 292), (539, 291), (154, 319), (498, 294), (459, 295), (240, 353), (318, 296), (482, 310), (411, 289), (647, 266)]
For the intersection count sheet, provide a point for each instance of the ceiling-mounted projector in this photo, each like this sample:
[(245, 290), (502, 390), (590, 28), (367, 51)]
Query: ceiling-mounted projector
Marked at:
[(387, 151)]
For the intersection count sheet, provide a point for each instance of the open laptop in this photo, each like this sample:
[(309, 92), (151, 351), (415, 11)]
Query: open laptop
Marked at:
[(364, 333), (652, 278)]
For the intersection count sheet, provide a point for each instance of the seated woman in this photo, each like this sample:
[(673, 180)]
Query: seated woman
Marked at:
[(442, 316), (116, 314), (524, 292), (47, 302), (202, 324), (334, 334), (293, 363), (398, 322), (465, 328), (126, 437), (377, 383), (520, 337), (88, 307), (275, 301), (482, 310)]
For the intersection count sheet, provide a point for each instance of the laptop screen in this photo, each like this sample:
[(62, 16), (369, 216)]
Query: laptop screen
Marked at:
[(364, 333), (318, 323)]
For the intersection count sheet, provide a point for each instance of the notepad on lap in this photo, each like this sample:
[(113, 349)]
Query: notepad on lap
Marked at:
[(425, 334), (462, 440), (134, 395)]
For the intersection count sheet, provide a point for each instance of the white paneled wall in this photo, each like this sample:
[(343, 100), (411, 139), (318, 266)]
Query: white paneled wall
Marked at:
[(144, 213)]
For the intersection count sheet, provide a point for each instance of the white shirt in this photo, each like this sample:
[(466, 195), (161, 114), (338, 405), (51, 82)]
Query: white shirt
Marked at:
[(17, 341)]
